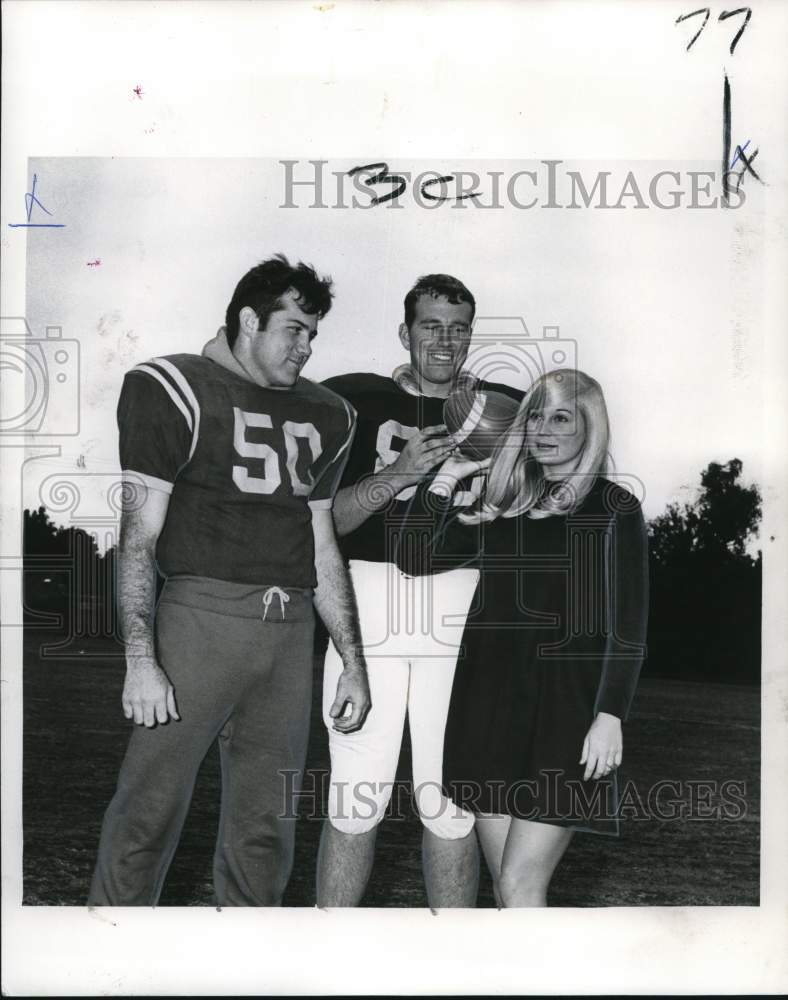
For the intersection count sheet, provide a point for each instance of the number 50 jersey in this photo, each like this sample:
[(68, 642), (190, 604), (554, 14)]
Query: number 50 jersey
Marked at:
[(243, 464)]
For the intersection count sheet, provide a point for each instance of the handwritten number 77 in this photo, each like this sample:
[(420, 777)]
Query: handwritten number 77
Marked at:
[(706, 11)]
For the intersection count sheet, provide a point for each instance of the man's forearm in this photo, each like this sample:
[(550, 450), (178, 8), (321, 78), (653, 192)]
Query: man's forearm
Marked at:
[(137, 595), (336, 604), (354, 504)]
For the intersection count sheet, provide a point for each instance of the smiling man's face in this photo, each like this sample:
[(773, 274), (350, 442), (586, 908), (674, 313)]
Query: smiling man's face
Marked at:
[(275, 355), (438, 341)]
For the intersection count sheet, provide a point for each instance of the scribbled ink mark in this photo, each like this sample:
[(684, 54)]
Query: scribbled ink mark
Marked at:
[(447, 179), (726, 136), (32, 199), (148, 131), (747, 168), (694, 13), (739, 152), (727, 163), (138, 91), (95, 263), (747, 11), (384, 177), (381, 177), (706, 11)]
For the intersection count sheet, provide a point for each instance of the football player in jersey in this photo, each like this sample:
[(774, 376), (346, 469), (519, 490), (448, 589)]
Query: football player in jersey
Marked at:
[(231, 460), (411, 628)]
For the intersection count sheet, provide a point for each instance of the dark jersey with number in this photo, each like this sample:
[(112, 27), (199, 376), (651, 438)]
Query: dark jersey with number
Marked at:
[(243, 464), (386, 417)]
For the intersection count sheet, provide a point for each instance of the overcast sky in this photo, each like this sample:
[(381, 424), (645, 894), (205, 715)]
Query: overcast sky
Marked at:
[(655, 304)]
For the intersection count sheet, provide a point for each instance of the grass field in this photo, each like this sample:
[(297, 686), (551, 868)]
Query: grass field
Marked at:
[(75, 737)]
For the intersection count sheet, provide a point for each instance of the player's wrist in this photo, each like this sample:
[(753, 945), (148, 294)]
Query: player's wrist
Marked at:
[(376, 492), (354, 664), (140, 648), (397, 477)]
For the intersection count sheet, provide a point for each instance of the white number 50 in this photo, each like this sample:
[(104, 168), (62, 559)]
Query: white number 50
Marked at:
[(272, 474)]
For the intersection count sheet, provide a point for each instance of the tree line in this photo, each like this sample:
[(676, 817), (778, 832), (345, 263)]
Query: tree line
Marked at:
[(705, 606)]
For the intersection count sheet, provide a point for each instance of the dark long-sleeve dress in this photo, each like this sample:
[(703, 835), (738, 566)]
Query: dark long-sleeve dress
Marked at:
[(556, 634)]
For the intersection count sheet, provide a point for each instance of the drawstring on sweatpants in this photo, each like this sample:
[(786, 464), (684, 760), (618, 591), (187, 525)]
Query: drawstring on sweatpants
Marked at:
[(269, 595)]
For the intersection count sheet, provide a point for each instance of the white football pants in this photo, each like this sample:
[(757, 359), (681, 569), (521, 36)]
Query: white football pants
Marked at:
[(411, 628)]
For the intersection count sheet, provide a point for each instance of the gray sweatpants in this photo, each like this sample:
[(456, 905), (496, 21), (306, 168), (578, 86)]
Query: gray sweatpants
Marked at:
[(240, 660)]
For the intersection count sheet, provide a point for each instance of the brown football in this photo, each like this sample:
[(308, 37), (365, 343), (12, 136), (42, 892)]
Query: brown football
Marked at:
[(477, 418)]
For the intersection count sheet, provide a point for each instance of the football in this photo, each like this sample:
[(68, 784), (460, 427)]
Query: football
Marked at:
[(477, 418)]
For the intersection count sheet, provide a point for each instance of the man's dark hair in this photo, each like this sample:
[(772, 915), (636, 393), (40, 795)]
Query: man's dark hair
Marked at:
[(437, 286), (263, 287)]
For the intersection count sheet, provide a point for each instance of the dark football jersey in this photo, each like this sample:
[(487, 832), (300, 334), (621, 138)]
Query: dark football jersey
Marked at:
[(386, 417), (243, 464)]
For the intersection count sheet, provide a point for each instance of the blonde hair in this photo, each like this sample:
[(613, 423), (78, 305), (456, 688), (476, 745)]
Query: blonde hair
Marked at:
[(516, 483)]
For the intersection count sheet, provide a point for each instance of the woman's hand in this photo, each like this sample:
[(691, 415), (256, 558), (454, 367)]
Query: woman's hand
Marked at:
[(603, 746), (455, 468)]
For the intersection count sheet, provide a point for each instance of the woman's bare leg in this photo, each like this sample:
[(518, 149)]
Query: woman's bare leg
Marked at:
[(493, 829), (529, 859)]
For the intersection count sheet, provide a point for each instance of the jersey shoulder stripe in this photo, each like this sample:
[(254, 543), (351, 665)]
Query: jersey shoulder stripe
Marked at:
[(177, 387)]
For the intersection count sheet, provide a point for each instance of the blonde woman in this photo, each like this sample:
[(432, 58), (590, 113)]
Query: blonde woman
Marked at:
[(555, 639)]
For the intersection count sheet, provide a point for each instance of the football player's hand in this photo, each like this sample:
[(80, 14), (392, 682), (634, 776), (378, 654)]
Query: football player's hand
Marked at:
[(422, 452), (352, 702), (603, 746), (455, 468), (148, 697)]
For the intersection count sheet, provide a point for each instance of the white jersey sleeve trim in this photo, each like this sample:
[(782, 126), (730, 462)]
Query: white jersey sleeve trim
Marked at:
[(132, 478), (186, 389), (171, 392), (179, 391)]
